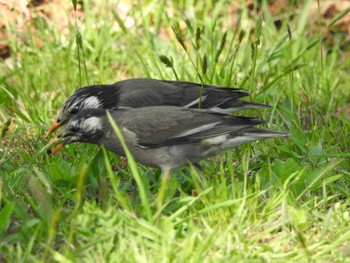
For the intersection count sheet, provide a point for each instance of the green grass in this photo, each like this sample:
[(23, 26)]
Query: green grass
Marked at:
[(277, 200)]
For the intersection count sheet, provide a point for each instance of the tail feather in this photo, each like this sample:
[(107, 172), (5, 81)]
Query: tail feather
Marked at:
[(261, 133), (252, 134), (237, 105), (220, 143)]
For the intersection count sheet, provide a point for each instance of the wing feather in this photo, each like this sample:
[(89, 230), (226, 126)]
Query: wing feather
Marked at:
[(161, 126)]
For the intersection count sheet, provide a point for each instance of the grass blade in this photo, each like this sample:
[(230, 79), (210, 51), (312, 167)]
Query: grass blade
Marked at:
[(133, 167)]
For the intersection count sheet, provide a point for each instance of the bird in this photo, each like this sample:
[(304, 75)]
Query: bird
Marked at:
[(166, 137), (143, 92)]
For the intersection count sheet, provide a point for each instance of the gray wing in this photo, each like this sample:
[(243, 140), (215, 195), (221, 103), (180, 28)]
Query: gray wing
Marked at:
[(151, 92), (161, 126)]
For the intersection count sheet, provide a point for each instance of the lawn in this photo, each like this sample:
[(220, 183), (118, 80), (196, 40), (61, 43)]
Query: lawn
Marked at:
[(277, 200)]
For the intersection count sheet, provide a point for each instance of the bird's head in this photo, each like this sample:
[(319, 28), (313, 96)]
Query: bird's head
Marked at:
[(85, 98), (86, 126)]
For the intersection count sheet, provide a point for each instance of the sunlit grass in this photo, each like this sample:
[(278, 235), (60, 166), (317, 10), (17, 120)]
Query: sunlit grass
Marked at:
[(275, 200)]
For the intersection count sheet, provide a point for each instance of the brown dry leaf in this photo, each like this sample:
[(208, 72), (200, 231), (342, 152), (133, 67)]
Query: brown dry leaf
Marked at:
[(124, 164), (18, 18), (344, 22), (329, 9), (343, 111), (279, 7), (13, 14)]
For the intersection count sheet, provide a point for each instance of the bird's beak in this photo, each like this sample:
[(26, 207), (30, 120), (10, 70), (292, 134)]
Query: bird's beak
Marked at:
[(58, 146), (54, 127)]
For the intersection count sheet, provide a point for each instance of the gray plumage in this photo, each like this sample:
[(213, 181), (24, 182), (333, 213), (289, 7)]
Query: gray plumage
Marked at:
[(165, 136), (137, 93)]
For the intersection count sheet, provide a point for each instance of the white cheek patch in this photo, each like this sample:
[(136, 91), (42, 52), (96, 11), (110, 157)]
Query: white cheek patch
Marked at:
[(92, 123), (91, 102)]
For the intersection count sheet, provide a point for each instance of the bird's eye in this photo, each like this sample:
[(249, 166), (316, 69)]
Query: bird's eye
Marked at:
[(74, 110), (74, 130)]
